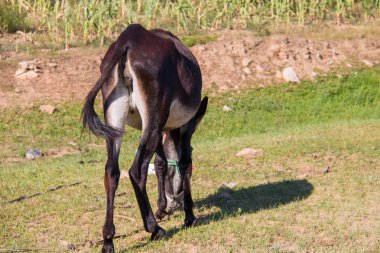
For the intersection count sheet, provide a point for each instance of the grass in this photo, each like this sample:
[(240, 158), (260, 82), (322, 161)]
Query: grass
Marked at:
[(284, 200)]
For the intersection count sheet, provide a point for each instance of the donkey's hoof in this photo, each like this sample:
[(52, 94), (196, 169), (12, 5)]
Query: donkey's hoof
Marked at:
[(160, 214), (108, 247), (190, 222), (158, 234)]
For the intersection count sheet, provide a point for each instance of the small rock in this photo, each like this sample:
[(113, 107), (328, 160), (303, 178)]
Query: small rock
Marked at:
[(124, 174), (20, 72), (259, 69), (28, 65), (326, 170), (247, 71), (17, 90), (308, 55), (25, 64), (314, 74), (26, 75), (303, 176), (250, 153), (31, 74), (52, 64), (245, 62), (319, 57), (226, 108), (33, 154), (368, 63), (49, 109), (349, 65), (290, 75), (73, 143), (229, 187)]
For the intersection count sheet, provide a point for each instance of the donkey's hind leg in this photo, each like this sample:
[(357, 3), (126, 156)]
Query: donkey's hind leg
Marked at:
[(185, 168), (115, 109), (150, 140)]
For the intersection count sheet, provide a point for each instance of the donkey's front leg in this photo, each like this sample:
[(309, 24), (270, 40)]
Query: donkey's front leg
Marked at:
[(111, 180), (188, 203), (185, 167), (138, 176)]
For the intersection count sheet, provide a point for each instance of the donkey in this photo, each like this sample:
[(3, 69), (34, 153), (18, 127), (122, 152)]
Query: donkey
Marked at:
[(152, 82)]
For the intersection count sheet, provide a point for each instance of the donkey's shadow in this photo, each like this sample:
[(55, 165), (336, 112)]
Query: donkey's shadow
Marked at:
[(253, 199), (247, 200)]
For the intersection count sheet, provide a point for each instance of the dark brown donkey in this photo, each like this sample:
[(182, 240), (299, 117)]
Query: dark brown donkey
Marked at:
[(152, 82)]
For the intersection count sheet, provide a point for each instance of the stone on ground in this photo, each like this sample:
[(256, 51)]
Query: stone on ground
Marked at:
[(368, 63), (33, 154), (250, 153), (49, 109), (290, 75), (226, 108)]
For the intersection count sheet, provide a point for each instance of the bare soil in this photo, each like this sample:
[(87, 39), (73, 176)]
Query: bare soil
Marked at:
[(236, 60)]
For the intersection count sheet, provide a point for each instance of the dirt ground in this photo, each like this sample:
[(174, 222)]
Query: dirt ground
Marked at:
[(236, 60)]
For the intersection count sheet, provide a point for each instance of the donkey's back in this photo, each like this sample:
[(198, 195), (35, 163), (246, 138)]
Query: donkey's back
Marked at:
[(155, 69)]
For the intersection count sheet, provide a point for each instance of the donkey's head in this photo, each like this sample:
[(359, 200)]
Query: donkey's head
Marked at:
[(177, 146)]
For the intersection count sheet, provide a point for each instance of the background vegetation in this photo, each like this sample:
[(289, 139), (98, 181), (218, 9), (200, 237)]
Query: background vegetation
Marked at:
[(66, 21)]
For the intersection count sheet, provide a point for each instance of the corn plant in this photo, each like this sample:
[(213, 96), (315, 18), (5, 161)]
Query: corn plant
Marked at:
[(89, 20)]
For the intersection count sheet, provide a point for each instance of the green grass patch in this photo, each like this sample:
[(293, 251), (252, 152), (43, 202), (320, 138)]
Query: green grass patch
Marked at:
[(355, 96), (192, 40), (352, 97), (12, 17), (284, 201)]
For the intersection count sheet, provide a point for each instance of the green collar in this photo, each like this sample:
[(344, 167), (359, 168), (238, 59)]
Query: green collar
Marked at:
[(175, 164)]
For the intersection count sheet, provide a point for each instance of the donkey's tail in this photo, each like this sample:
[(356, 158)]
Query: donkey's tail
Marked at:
[(114, 54), (90, 117)]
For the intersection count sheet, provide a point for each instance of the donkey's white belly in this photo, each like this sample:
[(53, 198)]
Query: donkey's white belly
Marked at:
[(178, 116)]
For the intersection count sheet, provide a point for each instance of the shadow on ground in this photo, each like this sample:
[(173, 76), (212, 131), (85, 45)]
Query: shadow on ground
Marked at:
[(248, 200), (254, 199)]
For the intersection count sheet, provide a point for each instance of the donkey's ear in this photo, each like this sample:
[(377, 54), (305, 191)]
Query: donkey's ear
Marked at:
[(201, 112)]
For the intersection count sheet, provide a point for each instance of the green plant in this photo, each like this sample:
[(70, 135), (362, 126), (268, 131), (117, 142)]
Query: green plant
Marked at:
[(12, 17), (89, 20)]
